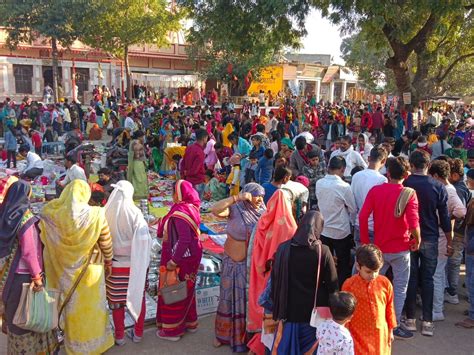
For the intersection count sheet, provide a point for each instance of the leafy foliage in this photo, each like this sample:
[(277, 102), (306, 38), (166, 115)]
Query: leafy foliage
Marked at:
[(422, 42), (237, 36)]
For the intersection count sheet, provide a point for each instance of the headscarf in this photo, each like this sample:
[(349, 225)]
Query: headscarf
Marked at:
[(12, 213), (250, 214), (70, 228), (187, 207), (130, 237), (228, 129), (287, 141), (307, 235), (5, 184)]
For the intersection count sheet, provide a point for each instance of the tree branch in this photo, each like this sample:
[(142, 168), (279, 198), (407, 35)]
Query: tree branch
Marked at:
[(452, 65), (420, 38)]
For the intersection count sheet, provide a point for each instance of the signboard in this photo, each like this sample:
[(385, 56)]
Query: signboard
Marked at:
[(207, 300), (271, 79), (407, 98)]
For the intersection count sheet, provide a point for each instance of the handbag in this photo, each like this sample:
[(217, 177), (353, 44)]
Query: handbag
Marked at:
[(37, 311), (319, 314), (173, 290)]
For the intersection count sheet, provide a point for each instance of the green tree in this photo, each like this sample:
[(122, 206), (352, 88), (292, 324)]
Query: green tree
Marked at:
[(235, 37), (436, 36), (28, 20), (114, 26)]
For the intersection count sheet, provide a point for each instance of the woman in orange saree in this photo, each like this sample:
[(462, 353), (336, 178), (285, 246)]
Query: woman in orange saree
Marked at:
[(276, 226)]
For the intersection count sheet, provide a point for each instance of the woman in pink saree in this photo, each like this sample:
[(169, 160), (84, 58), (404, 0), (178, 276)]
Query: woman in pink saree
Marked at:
[(182, 250)]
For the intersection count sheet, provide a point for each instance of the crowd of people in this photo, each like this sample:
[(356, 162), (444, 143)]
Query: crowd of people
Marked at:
[(338, 217)]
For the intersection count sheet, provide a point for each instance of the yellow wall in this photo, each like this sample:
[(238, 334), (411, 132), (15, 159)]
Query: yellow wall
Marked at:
[(271, 78)]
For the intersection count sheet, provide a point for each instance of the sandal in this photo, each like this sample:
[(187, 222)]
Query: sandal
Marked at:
[(217, 343), (466, 323)]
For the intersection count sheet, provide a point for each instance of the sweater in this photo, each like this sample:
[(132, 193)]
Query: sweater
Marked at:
[(10, 141), (432, 202), (264, 170), (391, 234)]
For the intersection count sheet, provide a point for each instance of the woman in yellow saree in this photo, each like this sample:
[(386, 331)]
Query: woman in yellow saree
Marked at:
[(71, 230)]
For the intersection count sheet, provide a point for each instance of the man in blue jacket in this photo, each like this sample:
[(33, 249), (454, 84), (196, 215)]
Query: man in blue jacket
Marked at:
[(433, 211)]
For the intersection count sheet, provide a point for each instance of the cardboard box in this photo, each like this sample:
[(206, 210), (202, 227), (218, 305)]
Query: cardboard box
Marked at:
[(207, 300)]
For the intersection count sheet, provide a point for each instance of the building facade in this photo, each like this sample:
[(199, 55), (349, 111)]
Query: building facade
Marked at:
[(26, 70)]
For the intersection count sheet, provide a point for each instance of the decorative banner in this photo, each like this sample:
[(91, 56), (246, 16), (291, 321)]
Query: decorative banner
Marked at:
[(271, 79), (407, 98)]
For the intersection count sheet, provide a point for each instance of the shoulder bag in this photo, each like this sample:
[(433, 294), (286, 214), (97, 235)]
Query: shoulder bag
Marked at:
[(319, 314), (58, 332)]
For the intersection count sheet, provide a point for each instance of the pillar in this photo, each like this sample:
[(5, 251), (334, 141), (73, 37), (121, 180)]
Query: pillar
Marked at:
[(37, 80), (67, 85), (318, 90), (343, 91), (331, 92)]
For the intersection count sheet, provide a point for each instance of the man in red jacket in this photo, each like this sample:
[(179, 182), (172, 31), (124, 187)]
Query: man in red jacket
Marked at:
[(192, 166)]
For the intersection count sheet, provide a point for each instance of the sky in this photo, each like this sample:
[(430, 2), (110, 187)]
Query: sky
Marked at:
[(323, 37)]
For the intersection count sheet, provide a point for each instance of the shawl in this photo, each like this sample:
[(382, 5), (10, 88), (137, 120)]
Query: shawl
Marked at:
[(130, 237), (307, 235), (276, 226), (186, 207), (228, 129), (70, 228), (365, 151), (12, 212)]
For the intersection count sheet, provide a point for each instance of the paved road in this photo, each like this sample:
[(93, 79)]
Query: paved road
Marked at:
[(447, 339)]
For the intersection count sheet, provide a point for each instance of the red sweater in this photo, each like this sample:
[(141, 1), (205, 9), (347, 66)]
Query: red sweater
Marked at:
[(192, 166), (391, 234)]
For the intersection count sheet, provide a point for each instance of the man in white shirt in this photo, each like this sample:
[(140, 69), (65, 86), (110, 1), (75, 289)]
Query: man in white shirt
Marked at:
[(294, 192), (73, 171), (336, 203), (361, 184), (130, 123), (34, 167), (351, 157)]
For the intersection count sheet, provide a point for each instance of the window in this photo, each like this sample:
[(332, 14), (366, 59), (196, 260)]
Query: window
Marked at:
[(23, 78)]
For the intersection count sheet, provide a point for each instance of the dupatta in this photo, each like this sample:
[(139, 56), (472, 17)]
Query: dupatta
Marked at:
[(69, 230), (130, 236)]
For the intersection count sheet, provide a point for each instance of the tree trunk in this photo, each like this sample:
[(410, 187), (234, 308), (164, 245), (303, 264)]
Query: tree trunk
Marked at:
[(54, 53), (128, 74), (403, 81)]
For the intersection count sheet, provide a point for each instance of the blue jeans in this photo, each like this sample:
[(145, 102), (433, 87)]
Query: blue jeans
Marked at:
[(439, 285), (400, 263), (454, 266), (470, 283), (422, 268)]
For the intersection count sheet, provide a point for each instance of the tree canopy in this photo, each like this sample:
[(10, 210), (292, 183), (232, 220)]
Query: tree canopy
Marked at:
[(423, 42), (235, 37), (114, 26)]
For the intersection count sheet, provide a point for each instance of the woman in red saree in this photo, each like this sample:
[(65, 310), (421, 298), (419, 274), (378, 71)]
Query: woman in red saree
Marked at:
[(182, 250)]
